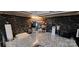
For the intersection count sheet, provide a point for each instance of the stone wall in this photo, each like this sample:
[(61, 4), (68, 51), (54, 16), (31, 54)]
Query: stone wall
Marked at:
[(68, 24), (19, 24)]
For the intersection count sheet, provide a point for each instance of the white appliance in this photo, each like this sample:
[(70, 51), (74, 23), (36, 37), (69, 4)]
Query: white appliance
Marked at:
[(9, 33), (77, 34), (53, 30)]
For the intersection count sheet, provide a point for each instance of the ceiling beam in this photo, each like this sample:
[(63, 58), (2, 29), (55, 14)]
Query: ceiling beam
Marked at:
[(63, 14), (16, 13)]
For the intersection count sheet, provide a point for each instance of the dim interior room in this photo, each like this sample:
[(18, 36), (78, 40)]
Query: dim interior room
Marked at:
[(58, 40)]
